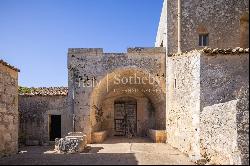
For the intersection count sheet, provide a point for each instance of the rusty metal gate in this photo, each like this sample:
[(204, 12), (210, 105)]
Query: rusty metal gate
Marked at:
[(125, 117)]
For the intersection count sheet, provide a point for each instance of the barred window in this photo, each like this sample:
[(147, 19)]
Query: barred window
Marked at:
[(203, 40)]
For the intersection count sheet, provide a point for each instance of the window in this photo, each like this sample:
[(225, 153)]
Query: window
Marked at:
[(203, 40), (161, 44), (175, 83)]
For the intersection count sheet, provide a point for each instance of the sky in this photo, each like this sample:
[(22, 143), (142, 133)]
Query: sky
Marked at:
[(35, 34)]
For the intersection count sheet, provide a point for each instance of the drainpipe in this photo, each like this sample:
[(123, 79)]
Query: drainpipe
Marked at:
[(73, 101), (179, 26)]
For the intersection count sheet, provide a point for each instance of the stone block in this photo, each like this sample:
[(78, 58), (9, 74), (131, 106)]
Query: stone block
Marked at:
[(158, 136), (75, 142), (99, 137)]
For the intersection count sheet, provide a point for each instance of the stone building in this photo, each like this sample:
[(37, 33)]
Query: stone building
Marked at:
[(192, 97), (8, 109), (192, 24), (44, 115)]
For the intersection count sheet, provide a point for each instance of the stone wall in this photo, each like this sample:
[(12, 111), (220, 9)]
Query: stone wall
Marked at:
[(34, 117), (223, 77), (242, 120), (88, 66), (220, 19), (8, 109), (219, 133), (225, 131), (225, 21), (183, 102), (205, 114)]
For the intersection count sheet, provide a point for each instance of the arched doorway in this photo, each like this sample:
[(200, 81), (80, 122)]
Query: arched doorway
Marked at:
[(144, 101), (125, 116)]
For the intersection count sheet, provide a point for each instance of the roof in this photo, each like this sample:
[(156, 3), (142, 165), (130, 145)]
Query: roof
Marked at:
[(215, 51), (236, 50), (43, 91), (8, 65)]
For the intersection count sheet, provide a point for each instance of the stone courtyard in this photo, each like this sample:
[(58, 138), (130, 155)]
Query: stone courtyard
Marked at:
[(114, 151), (183, 101)]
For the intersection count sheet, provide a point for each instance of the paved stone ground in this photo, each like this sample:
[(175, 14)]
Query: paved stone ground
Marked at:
[(112, 152)]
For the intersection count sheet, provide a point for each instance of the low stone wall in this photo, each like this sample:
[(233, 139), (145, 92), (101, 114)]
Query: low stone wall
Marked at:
[(8, 109), (34, 117), (242, 119), (219, 133), (158, 136), (225, 131)]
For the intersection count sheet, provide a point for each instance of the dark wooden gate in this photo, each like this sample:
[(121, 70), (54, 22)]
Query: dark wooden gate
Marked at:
[(125, 117)]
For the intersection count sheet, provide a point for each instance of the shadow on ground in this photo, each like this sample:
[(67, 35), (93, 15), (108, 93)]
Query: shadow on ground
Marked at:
[(114, 151), (44, 156), (117, 140)]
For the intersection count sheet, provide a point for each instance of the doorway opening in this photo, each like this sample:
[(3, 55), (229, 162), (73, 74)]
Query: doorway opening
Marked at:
[(54, 127), (125, 117)]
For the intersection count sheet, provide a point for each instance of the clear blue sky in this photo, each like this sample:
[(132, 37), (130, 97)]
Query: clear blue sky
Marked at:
[(36, 34)]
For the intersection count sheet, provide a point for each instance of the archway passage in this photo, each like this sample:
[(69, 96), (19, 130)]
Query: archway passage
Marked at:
[(125, 117), (129, 109)]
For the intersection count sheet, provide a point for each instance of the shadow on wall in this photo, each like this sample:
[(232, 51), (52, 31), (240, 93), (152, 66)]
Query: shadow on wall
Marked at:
[(242, 121), (222, 78), (224, 118)]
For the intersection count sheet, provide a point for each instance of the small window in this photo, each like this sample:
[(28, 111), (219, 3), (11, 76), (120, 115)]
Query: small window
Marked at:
[(161, 44), (203, 40)]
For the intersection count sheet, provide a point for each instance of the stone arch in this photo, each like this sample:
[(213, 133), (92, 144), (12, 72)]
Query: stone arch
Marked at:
[(244, 30), (152, 94)]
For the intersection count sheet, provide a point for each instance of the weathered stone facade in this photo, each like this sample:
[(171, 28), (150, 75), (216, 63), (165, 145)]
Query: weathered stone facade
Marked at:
[(35, 113), (206, 115), (202, 104), (225, 21), (200, 88), (86, 65), (242, 119), (183, 103), (8, 109)]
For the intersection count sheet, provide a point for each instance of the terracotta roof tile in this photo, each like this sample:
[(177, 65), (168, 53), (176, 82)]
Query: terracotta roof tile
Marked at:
[(8, 65), (51, 91)]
